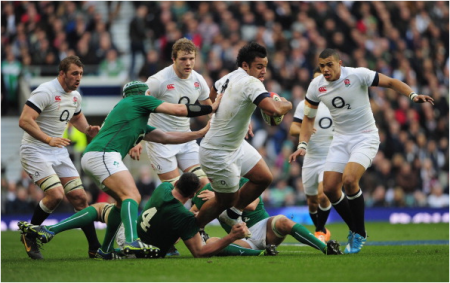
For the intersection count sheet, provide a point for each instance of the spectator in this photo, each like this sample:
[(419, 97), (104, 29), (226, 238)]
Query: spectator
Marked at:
[(138, 35), (437, 198), (112, 66)]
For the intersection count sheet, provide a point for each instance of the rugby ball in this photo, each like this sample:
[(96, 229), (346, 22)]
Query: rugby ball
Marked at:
[(272, 120)]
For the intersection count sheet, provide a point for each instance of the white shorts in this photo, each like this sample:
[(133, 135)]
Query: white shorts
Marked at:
[(41, 162), (312, 174), (225, 168), (259, 233), (360, 149), (101, 165), (168, 157)]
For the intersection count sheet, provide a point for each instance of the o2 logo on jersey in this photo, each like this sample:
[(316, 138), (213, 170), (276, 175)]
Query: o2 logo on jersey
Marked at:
[(58, 98), (170, 87), (196, 85), (75, 101), (347, 82), (322, 89)]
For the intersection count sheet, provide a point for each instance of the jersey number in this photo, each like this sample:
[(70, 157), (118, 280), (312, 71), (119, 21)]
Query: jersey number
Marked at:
[(325, 123), (146, 217), (339, 102), (64, 117)]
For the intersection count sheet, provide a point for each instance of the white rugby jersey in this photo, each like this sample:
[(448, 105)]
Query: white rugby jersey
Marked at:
[(320, 141), (347, 99), (167, 86), (229, 124), (55, 107)]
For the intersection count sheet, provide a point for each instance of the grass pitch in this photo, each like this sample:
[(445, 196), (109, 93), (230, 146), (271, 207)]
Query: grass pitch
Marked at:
[(412, 252)]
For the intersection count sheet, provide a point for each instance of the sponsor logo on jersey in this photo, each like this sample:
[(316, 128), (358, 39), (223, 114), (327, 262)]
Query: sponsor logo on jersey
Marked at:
[(58, 98), (170, 87), (196, 85), (322, 89), (347, 82)]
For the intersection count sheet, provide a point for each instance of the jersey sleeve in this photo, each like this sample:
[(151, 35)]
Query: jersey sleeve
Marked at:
[(299, 112), (79, 100), (204, 95), (366, 76), (311, 93), (149, 128), (39, 100), (154, 87), (254, 89), (150, 102)]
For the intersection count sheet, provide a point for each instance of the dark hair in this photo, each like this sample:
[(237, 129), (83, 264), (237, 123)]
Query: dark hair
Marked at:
[(329, 52), (64, 65), (249, 52), (188, 184)]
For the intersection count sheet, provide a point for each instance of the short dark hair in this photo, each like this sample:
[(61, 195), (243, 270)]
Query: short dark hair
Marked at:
[(64, 65), (188, 184), (249, 52), (329, 52)]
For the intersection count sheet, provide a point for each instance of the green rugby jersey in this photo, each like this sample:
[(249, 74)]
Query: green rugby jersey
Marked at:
[(125, 126), (249, 217), (164, 219)]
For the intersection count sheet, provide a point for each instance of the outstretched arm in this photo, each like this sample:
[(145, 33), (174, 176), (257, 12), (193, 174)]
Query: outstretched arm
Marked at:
[(401, 87), (175, 137)]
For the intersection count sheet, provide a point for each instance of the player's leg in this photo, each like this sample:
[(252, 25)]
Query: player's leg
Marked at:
[(188, 161), (75, 193), (214, 207), (238, 248), (323, 212)]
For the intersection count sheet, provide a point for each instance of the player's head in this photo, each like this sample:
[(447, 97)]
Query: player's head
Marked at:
[(188, 184), (253, 59), (183, 57), (316, 72), (330, 64), (134, 88), (70, 73)]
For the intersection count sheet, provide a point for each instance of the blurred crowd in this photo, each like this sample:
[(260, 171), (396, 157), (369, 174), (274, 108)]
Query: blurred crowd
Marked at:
[(405, 40)]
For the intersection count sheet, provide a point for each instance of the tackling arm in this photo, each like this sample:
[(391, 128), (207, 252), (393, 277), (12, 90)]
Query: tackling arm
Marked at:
[(401, 87), (175, 137)]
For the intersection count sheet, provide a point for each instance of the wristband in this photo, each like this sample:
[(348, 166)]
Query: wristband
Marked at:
[(47, 140), (412, 95), (195, 110), (302, 145)]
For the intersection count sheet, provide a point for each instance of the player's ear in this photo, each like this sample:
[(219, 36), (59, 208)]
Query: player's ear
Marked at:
[(340, 62), (245, 66)]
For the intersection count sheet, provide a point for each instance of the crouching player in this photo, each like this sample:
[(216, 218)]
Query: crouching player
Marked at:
[(163, 221), (267, 232)]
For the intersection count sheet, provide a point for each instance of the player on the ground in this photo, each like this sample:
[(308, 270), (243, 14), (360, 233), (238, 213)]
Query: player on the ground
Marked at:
[(344, 91), (312, 170), (43, 154), (267, 232), (224, 154), (163, 221)]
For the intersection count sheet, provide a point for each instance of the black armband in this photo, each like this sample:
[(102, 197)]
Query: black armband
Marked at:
[(195, 110)]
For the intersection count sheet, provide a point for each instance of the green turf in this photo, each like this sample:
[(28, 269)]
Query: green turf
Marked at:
[(66, 260)]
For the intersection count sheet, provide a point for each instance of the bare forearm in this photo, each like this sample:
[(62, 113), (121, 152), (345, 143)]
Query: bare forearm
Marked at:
[(400, 87), (306, 129), (215, 247), (32, 128), (80, 123)]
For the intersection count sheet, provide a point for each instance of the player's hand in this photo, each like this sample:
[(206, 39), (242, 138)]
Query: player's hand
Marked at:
[(204, 130), (58, 142), (423, 98), (135, 152), (206, 195), (216, 103), (92, 131), (239, 231), (298, 152), (250, 131)]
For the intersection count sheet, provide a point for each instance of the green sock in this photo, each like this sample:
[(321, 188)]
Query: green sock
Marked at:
[(112, 226), (129, 215), (233, 249), (302, 235), (78, 220)]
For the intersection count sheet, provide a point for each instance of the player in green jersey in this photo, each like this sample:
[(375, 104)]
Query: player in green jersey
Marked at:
[(163, 221), (267, 230), (124, 127)]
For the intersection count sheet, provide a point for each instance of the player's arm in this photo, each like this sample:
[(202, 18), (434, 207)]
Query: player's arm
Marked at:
[(252, 206), (135, 152), (80, 122), (401, 87), (27, 122), (212, 94), (188, 110), (175, 137), (197, 249), (306, 130), (294, 130), (275, 108)]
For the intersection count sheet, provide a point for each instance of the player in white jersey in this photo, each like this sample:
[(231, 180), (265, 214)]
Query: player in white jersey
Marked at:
[(312, 170), (43, 154), (355, 142), (224, 154), (178, 84)]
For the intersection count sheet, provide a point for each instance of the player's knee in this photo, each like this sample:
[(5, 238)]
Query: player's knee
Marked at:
[(313, 201), (280, 226), (78, 199), (54, 196), (349, 181)]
